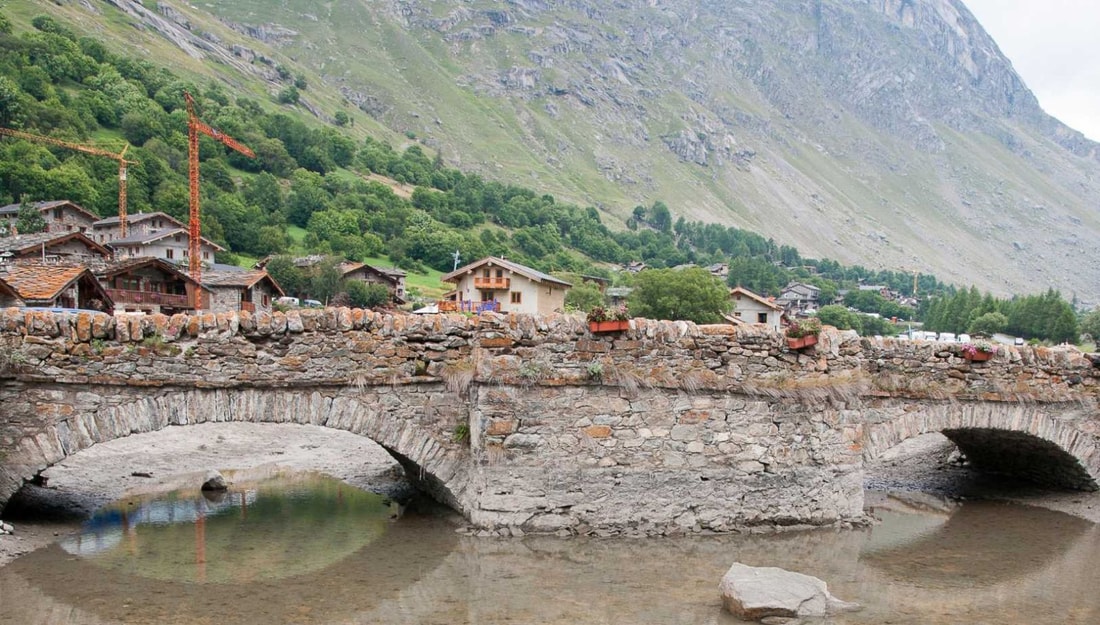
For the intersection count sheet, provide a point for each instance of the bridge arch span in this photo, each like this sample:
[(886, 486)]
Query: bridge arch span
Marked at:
[(412, 424), (1047, 444)]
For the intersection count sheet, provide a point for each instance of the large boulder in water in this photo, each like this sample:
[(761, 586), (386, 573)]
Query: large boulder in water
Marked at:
[(215, 482), (754, 593)]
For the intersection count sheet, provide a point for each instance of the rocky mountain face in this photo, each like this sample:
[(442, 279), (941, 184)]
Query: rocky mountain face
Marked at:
[(889, 133)]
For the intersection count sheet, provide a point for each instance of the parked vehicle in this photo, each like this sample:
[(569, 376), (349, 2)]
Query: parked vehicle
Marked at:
[(964, 338), (947, 337), (1019, 340), (288, 301), (312, 303)]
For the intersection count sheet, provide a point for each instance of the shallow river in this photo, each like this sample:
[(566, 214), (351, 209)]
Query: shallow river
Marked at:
[(311, 550)]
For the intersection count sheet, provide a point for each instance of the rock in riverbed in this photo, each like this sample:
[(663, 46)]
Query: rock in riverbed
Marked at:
[(215, 481), (754, 593)]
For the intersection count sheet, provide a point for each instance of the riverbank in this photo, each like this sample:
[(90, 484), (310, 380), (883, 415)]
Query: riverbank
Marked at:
[(179, 457)]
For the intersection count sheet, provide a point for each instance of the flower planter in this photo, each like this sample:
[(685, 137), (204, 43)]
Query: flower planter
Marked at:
[(802, 341), (596, 327), (978, 356)]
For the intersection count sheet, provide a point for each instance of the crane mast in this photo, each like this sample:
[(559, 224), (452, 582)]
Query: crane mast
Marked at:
[(196, 126), (87, 149)]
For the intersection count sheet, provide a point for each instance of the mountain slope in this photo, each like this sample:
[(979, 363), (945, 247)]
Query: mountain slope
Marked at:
[(890, 133)]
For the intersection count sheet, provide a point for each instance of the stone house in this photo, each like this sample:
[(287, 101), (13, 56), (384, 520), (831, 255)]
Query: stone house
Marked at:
[(798, 297), (72, 247), (230, 291), (110, 228), (393, 279), (54, 285), (498, 284), (150, 285), (754, 309), (170, 244), (60, 216)]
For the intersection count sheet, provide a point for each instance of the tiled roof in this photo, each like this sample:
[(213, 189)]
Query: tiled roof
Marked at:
[(41, 281), (753, 296), (522, 270)]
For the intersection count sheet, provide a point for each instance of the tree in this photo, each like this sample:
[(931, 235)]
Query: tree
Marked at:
[(341, 118), (583, 297), (366, 295), (838, 316), (990, 323), (326, 279), (289, 95), (692, 294), (287, 274), (1090, 325), (30, 220)]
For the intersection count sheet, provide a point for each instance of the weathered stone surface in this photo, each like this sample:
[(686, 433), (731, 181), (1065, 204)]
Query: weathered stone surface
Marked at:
[(687, 429), (755, 593)]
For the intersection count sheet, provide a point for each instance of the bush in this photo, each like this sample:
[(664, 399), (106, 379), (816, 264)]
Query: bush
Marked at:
[(366, 295)]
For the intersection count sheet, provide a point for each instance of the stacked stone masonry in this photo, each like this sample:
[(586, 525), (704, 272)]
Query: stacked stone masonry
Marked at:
[(532, 424)]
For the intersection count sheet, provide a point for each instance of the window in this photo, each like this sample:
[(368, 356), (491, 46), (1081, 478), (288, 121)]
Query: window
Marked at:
[(516, 297), (500, 273), (485, 273), (737, 314), (177, 237), (206, 255), (169, 253), (762, 317), (57, 214)]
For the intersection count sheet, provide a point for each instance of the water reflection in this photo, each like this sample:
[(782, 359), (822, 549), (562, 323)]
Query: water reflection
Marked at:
[(927, 563)]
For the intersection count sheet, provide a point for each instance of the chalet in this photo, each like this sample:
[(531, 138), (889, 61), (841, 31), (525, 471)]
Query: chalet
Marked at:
[(393, 279), (52, 246), (752, 308), (170, 244), (498, 284), (798, 297), (151, 285), (110, 229), (60, 216), (253, 290), (54, 285)]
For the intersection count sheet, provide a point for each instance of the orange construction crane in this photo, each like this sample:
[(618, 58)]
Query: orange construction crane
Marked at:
[(194, 127), (87, 149)]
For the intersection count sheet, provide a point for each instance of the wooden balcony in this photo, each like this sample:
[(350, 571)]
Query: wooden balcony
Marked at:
[(492, 284), (248, 306), (149, 298)]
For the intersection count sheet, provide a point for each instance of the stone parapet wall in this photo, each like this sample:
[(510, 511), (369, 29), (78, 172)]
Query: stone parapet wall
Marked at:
[(534, 423)]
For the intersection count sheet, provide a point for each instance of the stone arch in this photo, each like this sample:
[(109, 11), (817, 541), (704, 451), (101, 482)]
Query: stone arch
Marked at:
[(405, 420), (1042, 443)]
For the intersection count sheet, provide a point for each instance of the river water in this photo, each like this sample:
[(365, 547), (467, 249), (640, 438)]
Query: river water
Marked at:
[(311, 550)]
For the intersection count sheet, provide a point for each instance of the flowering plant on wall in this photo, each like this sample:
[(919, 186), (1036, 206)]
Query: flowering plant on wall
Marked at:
[(609, 313), (970, 350), (806, 327)]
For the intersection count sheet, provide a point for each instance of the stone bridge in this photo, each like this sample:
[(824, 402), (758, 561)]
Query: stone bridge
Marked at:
[(534, 424)]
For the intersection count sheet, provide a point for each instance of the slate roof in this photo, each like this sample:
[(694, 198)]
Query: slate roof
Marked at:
[(22, 243), (239, 279), (12, 209), (146, 239), (137, 218), (532, 274)]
